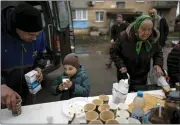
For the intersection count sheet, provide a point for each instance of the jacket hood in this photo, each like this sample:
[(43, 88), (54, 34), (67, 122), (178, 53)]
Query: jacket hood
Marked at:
[(7, 20), (80, 71), (131, 33)]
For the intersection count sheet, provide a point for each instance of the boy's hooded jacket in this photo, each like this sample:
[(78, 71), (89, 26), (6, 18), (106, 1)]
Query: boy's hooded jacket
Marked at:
[(80, 87)]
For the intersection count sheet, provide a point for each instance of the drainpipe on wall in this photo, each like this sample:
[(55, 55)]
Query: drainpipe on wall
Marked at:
[(178, 8)]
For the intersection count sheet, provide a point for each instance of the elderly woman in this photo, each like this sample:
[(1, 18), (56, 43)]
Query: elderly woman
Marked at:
[(133, 51)]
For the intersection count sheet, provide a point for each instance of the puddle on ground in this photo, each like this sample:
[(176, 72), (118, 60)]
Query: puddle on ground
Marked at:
[(81, 51)]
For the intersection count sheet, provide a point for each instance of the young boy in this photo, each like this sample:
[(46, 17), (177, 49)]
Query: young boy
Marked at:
[(78, 83)]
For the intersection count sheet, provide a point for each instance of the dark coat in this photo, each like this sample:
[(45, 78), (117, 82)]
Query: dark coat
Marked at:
[(17, 56), (116, 29), (123, 53), (173, 65), (164, 30), (80, 87)]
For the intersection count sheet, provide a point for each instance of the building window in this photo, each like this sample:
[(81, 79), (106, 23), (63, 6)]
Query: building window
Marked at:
[(80, 14), (99, 1), (139, 1), (99, 16), (63, 13), (120, 4)]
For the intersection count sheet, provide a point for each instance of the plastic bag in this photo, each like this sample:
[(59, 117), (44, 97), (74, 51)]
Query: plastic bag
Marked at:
[(153, 79), (120, 91)]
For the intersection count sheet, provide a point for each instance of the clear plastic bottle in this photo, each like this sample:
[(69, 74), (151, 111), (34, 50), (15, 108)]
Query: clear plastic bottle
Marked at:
[(139, 104)]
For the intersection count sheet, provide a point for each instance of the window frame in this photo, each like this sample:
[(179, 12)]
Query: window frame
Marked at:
[(99, 16), (82, 18), (140, 1), (120, 2), (99, 1), (61, 22)]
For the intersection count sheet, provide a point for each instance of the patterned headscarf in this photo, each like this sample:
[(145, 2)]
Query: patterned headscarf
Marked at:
[(137, 24)]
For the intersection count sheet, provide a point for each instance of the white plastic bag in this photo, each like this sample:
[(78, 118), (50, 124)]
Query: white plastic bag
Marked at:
[(161, 81), (120, 91), (153, 79)]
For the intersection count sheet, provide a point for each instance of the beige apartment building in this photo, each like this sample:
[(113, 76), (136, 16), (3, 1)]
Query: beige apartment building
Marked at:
[(102, 13), (166, 9)]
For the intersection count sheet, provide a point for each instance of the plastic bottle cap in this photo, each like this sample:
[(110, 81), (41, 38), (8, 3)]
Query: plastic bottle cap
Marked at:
[(140, 93), (145, 119)]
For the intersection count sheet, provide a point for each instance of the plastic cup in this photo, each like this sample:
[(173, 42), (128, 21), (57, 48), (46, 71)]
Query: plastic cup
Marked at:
[(95, 122), (122, 114), (133, 121), (123, 106), (17, 111), (112, 121), (89, 107), (103, 107), (91, 115), (113, 108), (105, 98), (106, 115), (122, 120), (97, 102), (64, 80)]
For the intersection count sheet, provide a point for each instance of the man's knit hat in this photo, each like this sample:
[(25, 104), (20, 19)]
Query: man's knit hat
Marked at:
[(72, 59), (27, 18)]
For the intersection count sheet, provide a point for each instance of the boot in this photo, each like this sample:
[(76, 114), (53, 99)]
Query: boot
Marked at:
[(109, 65)]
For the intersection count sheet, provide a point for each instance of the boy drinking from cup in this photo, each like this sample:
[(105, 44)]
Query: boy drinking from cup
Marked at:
[(74, 81)]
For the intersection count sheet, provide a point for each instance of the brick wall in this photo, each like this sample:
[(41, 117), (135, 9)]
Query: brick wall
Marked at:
[(129, 4), (138, 6), (171, 17), (99, 7)]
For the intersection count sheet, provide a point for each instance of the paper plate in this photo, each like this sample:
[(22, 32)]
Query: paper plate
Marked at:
[(75, 105)]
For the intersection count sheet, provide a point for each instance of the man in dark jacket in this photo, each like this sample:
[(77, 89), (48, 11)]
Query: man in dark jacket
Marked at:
[(21, 40), (118, 27), (173, 65), (160, 24), (133, 51)]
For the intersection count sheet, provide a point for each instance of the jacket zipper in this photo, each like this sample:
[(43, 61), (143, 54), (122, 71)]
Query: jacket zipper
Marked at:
[(22, 63)]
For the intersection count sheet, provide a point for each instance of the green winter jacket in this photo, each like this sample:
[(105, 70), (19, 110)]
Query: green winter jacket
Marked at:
[(80, 87)]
